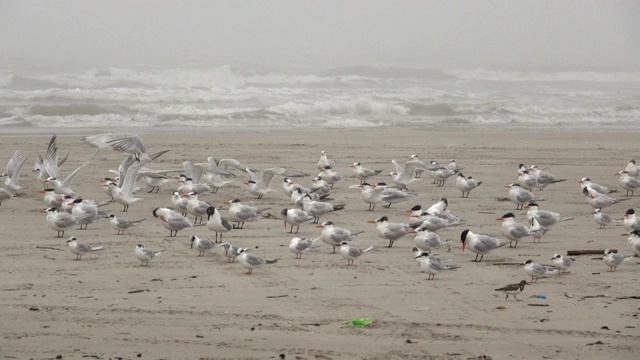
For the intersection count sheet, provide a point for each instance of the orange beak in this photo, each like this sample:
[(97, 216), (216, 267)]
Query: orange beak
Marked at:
[(499, 219), (507, 186), (285, 225), (371, 221), (525, 207), (227, 202), (246, 183), (464, 246), (42, 191), (408, 211), (42, 211), (320, 226)]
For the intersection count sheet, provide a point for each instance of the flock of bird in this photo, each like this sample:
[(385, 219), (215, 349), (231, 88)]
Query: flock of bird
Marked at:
[(66, 209)]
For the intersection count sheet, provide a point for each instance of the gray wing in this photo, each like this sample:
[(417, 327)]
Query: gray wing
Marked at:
[(51, 160), (233, 163), (82, 247), (124, 167), (178, 222), (355, 252), (214, 168), (16, 164), (486, 243), (188, 170), (100, 141), (130, 144), (519, 230), (69, 179), (254, 260)]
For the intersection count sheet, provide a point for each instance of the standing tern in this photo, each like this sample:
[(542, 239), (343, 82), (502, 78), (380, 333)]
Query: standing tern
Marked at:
[(241, 213), (59, 221), (479, 244), (428, 241), (171, 220), (250, 261), (80, 248), (216, 223), (512, 230), (628, 182), (520, 196), (393, 231), (432, 264), (195, 206), (330, 176), (585, 182), (334, 236), (121, 224), (230, 251), (513, 289), (634, 241), (598, 200), (613, 260), (562, 263), (324, 161), (351, 253), (544, 178), (604, 219), (85, 211), (299, 246), (630, 222), (319, 208), (537, 271), (466, 184), (202, 245), (363, 173), (547, 219), (145, 255), (295, 217)]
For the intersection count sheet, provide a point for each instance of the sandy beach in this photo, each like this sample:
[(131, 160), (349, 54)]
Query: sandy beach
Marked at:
[(182, 306)]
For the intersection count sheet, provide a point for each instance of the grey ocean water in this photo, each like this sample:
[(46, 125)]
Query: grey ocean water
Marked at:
[(249, 96)]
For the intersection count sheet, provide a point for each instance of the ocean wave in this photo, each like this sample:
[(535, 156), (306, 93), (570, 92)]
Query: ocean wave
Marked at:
[(564, 76), (359, 106), (77, 109)]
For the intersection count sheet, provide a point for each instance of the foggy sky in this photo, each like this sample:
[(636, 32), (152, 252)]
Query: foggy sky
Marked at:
[(323, 33)]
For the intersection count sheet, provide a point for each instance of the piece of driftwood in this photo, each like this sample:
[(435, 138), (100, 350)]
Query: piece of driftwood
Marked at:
[(137, 291), (588, 252), (276, 296), (538, 304), (47, 248)]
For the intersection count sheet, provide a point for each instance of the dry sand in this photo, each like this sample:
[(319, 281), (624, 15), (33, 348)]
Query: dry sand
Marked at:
[(194, 307)]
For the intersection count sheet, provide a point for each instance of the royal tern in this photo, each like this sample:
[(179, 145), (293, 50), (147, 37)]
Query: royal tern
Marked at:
[(80, 248), (171, 220), (442, 175), (421, 166), (370, 194), (334, 236), (433, 222), (132, 145), (547, 219), (525, 179), (202, 245), (230, 251), (153, 180), (195, 206), (543, 178), (466, 184), (350, 253), (123, 194), (562, 263), (324, 161), (513, 289), (428, 241), (289, 186), (179, 202), (319, 208), (630, 222), (613, 260), (628, 182), (403, 176), (393, 231), (520, 196), (632, 169), (216, 223), (330, 176), (241, 213), (512, 230), (320, 186), (52, 199), (392, 195), (295, 217), (604, 219), (363, 173), (52, 154), (299, 246), (432, 264), (479, 244), (537, 271), (585, 182), (597, 200), (452, 165), (259, 185), (121, 224), (250, 261), (12, 171), (59, 221), (85, 211), (536, 231), (145, 255)]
